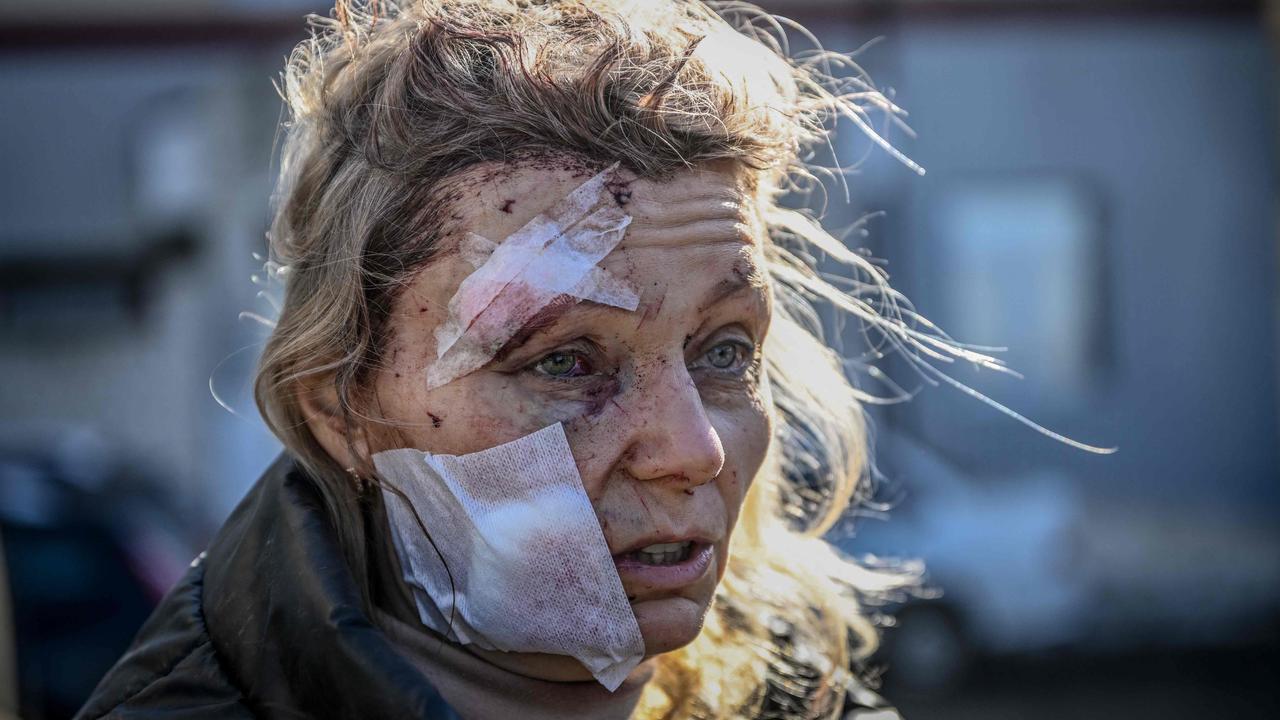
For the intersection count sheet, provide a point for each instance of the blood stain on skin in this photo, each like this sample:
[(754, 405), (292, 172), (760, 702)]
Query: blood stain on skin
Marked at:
[(643, 504), (545, 318), (628, 269), (576, 165), (621, 191), (436, 420), (600, 395), (651, 311)]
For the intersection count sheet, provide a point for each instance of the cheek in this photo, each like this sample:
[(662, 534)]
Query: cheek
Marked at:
[(495, 413), (461, 417), (401, 403), (745, 423), (745, 435)]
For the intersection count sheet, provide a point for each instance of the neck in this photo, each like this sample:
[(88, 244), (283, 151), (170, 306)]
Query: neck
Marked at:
[(543, 666)]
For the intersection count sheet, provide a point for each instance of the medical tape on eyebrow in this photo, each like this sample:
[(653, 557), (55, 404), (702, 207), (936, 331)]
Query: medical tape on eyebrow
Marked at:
[(554, 255)]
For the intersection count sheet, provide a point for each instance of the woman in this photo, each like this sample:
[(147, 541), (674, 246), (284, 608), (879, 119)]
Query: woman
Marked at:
[(534, 263)]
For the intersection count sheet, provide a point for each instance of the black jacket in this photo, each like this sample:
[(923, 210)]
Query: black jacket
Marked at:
[(269, 623)]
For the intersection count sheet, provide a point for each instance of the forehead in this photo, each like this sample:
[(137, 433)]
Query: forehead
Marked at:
[(709, 203)]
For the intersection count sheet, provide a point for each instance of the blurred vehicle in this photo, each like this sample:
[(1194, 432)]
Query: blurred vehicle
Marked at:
[(89, 550), (1025, 565)]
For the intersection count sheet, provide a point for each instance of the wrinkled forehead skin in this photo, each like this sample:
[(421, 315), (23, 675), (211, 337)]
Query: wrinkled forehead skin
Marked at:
[(715, 201)]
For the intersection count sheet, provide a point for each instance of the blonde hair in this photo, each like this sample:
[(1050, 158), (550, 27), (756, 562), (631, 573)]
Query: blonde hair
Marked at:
[(387, 103)]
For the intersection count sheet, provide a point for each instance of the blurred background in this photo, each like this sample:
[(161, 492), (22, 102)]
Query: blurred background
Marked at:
[(1100, 198)]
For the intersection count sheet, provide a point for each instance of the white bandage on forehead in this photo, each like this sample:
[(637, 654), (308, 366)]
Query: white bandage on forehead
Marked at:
[(514, 530), (553, 256)]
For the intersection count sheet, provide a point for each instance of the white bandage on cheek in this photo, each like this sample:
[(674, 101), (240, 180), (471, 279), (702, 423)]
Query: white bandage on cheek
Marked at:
[(555, 255), (514, 530)]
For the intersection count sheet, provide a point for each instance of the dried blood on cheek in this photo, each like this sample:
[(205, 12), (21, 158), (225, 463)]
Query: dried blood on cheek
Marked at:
[(586, 408), (602, 394), (643, 504)]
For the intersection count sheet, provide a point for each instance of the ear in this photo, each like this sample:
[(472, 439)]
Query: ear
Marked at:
[(341, 434)]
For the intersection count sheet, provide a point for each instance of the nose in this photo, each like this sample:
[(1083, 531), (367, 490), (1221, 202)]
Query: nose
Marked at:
[(674, 437)]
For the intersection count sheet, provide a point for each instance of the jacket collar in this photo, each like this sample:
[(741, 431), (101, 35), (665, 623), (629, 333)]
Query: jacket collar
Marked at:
[(286, 617)]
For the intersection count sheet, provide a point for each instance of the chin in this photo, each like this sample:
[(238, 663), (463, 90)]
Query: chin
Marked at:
[(668, 624)]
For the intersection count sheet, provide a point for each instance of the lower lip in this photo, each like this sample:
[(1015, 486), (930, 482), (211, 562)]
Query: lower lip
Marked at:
[(667, 577)]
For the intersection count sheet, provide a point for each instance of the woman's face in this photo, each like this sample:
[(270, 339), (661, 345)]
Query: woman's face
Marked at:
[(665, 407)]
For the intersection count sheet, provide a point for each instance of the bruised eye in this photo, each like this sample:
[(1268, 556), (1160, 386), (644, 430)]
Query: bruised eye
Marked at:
[(562, 365), (726, 355)]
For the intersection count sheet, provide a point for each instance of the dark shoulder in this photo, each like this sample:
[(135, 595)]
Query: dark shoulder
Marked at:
[(171, 670)]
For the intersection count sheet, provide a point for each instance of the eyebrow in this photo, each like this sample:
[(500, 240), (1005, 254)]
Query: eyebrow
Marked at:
[(740, 280), (546, 318), (563, 305), (725, 288)]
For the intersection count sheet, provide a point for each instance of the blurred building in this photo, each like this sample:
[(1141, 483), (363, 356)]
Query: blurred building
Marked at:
[(1100, 199)]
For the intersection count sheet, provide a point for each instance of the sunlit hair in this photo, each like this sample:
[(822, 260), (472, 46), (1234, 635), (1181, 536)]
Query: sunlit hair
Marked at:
[(388, 103)]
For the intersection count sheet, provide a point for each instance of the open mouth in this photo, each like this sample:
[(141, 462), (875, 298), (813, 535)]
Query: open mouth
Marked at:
[(665, 566), (672, 553)]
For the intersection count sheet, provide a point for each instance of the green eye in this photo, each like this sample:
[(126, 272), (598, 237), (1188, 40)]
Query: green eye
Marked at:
[(560, 364), (724, 356)]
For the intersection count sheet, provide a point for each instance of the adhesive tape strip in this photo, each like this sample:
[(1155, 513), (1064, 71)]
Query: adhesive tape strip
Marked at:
[(555, 255)]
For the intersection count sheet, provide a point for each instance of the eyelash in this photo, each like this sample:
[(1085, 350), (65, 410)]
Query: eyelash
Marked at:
[(745, 355), (582, 352), (580, 360), (744, 361)]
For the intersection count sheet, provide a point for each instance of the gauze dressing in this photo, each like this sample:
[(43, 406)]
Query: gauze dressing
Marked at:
[(530, 568), (552, 256)]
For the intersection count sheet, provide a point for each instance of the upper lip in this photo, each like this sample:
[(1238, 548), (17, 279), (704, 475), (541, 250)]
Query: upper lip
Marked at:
[(692, 537)]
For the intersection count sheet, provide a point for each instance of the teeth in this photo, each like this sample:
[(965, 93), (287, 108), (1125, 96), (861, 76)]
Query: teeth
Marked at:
[(664, 553), (664, 547)]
